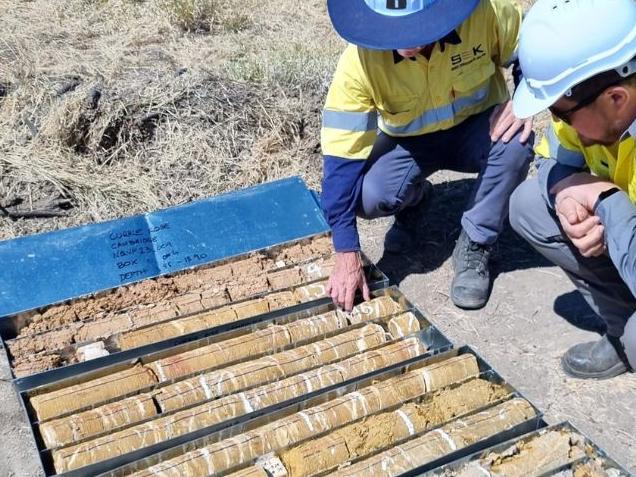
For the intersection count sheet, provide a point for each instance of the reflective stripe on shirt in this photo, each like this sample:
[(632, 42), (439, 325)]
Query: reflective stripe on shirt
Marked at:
[(350, 121), (437, 115)]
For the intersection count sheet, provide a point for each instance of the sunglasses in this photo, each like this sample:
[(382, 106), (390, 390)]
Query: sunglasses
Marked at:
[(566, 116)]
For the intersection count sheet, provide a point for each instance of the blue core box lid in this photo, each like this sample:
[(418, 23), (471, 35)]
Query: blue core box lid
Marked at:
[(48, 268)]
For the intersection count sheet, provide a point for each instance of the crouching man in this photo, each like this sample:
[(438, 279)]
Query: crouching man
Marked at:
[(428, 76), (579, 213)]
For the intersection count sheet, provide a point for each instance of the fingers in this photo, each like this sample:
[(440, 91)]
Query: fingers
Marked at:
[(351, 287), (580, 229), (514, 126), (345, 280), (506, 125), (586, 236), (596, 251), (570, 210), (592, 244), (347, 277), (503, 122), (366, 294), (350, 293), (582, 212), (494, 117), (333, 289), (343, 295), (527, 130), (583, 229)]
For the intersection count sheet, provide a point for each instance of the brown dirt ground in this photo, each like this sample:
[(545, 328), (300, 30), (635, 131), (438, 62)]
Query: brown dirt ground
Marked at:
[(235, 101)]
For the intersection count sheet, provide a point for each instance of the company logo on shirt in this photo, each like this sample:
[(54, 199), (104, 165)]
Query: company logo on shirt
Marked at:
[(466, 57)]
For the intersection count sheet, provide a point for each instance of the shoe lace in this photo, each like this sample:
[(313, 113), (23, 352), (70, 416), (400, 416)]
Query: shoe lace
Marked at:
[(476, 257)]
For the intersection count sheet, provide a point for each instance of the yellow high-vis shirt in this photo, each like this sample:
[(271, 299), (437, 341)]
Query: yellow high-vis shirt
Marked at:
[(375, 89), (612, 163)]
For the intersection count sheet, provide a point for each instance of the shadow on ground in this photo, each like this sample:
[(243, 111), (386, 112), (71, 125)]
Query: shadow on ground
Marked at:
[(436, 240), (438, 233), (574, 309)]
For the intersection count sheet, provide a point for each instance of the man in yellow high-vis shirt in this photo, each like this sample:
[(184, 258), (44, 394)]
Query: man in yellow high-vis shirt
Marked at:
[(420, 88), (579, 213)]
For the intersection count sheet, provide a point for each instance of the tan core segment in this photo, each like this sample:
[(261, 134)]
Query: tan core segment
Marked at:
[(442, 441), (72, 398), (110, 417), (384, 430)]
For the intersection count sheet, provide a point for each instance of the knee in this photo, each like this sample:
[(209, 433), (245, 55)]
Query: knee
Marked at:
[(515, 156), (524, 200), (378, 200)]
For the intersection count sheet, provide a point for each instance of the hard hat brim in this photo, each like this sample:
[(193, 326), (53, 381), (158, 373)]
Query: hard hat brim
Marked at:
[(358, 24), (525, 104)]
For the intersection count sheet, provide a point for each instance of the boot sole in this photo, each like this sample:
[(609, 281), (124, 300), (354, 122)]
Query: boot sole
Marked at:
[(612, 372), (468, 305)]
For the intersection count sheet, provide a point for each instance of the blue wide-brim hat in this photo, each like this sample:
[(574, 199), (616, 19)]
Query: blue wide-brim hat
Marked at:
[(396, 24)]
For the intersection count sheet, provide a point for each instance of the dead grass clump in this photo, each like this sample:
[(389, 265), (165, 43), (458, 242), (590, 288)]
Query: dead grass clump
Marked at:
[(191, 15), (109, 122), (295, 68), (204, 15)]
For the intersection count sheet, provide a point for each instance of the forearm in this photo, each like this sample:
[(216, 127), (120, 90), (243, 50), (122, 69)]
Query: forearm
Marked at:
[(550, 173), (341, 189), (618, 216)]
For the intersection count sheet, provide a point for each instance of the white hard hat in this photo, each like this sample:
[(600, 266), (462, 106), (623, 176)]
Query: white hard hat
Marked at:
[(565, 42)]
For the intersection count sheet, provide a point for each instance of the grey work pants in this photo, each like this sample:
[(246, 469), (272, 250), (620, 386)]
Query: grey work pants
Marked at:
[(629, 341), (596, 278), (398, 167)]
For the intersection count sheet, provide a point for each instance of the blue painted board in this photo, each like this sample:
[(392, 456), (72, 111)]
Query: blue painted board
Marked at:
[(43, 269)]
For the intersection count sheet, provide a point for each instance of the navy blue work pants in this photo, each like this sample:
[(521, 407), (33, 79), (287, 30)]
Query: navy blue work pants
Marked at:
[(398, 167)]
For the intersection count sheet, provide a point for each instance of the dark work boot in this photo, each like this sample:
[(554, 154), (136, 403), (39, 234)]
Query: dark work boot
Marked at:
[(401, 236), (596, 359), (471, 284)]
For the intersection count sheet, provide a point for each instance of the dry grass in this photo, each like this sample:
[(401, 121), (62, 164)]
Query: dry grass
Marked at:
[(129, 105), (125, 106)]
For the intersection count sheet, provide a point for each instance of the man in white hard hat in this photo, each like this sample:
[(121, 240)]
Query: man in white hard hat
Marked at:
[(578, 59), (427, 74)]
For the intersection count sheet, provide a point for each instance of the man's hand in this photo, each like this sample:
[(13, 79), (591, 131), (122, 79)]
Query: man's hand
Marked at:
[(582, 228), (583, 188), (347, 277), (504, 125), (576, 196)]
